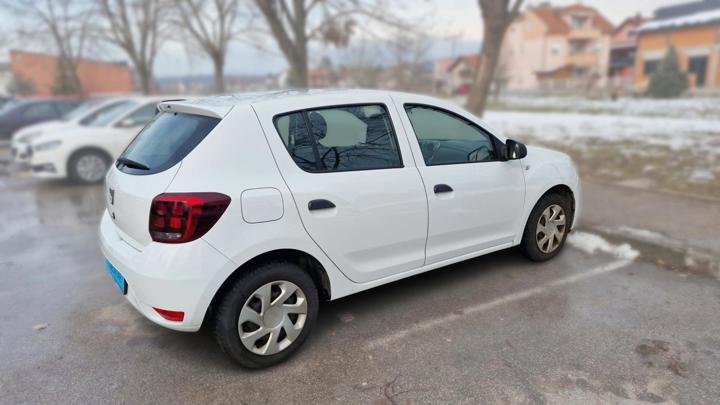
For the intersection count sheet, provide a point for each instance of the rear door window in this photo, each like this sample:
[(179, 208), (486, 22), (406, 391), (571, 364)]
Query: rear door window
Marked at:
[(337, 139), (40, 111), (164, 142)]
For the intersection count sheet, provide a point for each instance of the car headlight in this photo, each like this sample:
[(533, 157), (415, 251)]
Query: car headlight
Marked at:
[(29, 137), (46, 146)]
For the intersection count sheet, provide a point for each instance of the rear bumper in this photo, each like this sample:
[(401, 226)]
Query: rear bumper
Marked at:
[(165, 276)]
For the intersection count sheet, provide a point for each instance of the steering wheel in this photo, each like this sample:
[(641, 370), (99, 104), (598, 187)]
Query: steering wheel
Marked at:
[(337, 157), (476, 151)]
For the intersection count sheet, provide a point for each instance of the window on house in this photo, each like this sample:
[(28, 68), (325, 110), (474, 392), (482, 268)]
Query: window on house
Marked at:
[(697, 66), (578, 21), (650, 66), (576, 47)]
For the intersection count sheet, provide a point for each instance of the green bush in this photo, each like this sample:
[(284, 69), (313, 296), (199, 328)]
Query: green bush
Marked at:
[(668, 81)]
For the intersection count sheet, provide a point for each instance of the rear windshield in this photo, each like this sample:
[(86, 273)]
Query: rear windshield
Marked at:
[(165, 141)]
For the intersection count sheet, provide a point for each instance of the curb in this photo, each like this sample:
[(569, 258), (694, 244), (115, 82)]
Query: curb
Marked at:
[(664, 251)]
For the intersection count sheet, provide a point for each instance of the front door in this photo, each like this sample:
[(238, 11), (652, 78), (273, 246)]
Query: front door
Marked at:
[(475, 199), (355, 185)]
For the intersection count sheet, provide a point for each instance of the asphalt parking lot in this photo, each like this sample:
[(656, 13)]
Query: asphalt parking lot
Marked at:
[(498, 329)]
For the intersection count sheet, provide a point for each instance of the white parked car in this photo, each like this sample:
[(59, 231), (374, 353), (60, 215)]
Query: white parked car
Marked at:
[(85, 112), (247, 211), (84, 151)]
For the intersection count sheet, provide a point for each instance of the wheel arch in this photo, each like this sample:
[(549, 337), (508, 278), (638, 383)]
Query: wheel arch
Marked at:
[(85, 149), (303, 259), (563, 190)]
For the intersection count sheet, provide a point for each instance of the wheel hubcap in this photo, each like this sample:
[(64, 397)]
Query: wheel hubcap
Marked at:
[(550, 229), (91, 168), (272, 318)]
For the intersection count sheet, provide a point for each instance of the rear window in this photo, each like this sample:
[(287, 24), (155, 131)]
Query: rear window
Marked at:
[(165, 141)]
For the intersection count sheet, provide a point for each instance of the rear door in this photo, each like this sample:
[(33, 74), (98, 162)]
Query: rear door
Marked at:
[(158, 150), (474, 197), (354, 182)]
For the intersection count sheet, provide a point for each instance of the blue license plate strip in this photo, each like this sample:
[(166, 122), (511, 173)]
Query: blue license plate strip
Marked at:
[(117, 277)]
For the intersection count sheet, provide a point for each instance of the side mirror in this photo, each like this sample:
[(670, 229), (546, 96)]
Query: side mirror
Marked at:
[(514, 150)]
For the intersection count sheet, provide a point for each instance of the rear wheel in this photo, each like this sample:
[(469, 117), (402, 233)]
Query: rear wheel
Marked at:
[(267, 314), (88, 167), (547, 228)]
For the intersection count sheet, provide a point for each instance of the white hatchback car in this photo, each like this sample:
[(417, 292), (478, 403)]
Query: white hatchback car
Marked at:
[(246, 211), (84, 113), (85, 151)]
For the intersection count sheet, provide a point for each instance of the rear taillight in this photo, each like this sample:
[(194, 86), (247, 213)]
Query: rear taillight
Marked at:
[(184, 217)]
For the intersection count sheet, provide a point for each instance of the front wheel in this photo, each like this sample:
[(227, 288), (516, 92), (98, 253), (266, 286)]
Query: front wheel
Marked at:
[(88, 167), (546, 228), (267, 314)]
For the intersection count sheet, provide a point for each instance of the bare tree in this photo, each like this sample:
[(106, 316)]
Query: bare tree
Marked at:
[(66, 23), (212, 25), (497, 15), (501, 76), (136, 27), (294, 23), (361, 65), (410, 53)]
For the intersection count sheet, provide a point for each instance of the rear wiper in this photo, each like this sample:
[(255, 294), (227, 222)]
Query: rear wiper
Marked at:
[(132, 164)]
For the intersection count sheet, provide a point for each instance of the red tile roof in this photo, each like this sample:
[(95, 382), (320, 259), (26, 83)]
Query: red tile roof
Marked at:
[(552, 17)]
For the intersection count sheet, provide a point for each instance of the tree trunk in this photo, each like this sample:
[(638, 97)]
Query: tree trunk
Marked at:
[(489, 57), (145, 77), (298, 75), (219, 69), (497, 16)]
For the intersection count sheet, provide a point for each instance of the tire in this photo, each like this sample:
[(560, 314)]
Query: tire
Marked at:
[(244, 298), (534, 245), (88, 166)]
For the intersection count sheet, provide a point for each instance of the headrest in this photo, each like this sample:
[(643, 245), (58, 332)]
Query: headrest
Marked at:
[(318, 125)]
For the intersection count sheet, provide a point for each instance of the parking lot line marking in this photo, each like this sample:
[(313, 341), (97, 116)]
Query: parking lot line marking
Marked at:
[(485, 306)]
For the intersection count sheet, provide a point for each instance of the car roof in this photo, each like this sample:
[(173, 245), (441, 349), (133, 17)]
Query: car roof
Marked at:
[(219, 106)]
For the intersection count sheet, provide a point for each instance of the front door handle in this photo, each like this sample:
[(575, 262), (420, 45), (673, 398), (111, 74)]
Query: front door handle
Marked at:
[(442, 188), (320, 204)]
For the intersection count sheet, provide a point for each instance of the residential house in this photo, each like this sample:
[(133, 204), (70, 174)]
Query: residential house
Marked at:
[(694, 30), (455, 75), (557, 48), (95, 77), (623, 46)]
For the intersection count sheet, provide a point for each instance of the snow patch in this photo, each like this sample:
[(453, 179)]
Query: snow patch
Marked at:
[(675, 133), (700, 18), (591, 243), (701, 176)]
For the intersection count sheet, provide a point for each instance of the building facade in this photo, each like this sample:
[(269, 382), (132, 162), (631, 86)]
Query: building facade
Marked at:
[(455, 75), (557, 48), (694, 30), (623, 48), (95, 77)]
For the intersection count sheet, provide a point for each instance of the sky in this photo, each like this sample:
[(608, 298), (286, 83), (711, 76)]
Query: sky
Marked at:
[(458, 20)]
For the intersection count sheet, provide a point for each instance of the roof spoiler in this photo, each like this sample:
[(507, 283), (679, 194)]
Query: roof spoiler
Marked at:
[(188, 107)]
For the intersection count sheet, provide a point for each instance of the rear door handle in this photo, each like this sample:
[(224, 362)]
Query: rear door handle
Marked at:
[(320, 204), (442, 188)]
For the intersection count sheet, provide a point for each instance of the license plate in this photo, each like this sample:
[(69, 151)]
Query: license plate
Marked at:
[(117, 277)]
